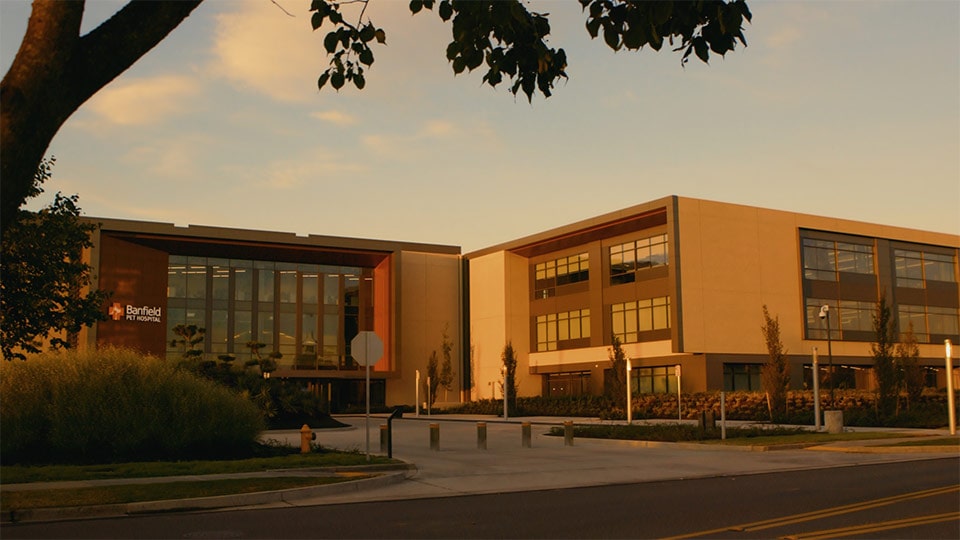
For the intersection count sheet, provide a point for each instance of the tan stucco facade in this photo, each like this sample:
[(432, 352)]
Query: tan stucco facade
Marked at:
[(427, 308), (726, 262)]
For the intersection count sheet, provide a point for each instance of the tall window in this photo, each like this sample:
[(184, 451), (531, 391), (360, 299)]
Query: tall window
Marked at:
[(628, 258), (565, 270), (846, 318), (307, 312), (824, 259), (929, 321), (631, 318), (915, 268), (556, 330)]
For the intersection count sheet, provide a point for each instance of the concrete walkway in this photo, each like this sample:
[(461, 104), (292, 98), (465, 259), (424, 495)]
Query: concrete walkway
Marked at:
[(460, 468)]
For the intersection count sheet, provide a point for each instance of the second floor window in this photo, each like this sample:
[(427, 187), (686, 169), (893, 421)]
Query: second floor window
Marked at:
[(555, 329), (631, 318)]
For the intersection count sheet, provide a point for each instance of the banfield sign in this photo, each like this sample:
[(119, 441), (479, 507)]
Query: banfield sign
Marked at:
[(120, 312)]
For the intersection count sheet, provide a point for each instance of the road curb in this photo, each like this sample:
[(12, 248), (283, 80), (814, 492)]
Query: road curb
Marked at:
[(387, 477)]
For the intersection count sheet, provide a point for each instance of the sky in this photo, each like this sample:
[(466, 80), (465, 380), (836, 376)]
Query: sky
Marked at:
[(848, 109)]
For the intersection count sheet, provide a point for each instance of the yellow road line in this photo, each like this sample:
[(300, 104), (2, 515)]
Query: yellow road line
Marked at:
[(875, 527), (826, 512)]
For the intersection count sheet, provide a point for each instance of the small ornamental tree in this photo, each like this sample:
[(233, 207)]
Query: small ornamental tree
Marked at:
[(617, 383), (43, 276), (775, 374), (446, 364), (509, 359), (908, 366), (883, 367), (433, 377)]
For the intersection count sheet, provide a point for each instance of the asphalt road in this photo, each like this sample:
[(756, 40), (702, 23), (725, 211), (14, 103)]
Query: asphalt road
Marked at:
[(917, 499)]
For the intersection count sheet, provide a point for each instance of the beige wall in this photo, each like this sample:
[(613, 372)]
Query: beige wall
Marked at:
[(428, 304), (500, 312), (734, 259)]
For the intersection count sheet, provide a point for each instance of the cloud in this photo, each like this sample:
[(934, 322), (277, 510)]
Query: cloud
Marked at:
[(259, 46), (334, 117), (438, 129), (476, 133), (140, 102), (783, 37), (177, 159), (304, 171)]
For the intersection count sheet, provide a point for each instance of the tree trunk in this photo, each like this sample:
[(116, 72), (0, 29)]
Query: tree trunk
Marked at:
[(56, 70)]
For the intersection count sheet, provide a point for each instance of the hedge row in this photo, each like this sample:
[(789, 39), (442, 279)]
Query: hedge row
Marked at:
[(116, 405)]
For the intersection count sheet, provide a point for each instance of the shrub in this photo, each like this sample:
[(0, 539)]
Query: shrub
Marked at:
[(114, 405)]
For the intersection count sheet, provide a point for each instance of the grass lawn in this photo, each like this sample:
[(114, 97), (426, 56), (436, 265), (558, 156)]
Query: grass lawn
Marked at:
[(49, 498), (17, 474), (931, 441)]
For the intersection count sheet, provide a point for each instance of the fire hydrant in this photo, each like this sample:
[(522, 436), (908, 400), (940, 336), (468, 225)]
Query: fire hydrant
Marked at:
[(306, 437)]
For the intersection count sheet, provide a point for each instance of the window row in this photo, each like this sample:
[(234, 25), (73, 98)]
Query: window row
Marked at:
[(915, 268), (824, 259), (653, 380), (320, 308), (565, 270), (629, 319), (627, 258), (852, 320), (265, 281), (845, 318), (556, 328), (929, 323)]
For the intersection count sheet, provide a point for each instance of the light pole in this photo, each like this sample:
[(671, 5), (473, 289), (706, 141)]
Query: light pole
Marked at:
[(503, 370), (629, 392), (950, 405), (825, 315)]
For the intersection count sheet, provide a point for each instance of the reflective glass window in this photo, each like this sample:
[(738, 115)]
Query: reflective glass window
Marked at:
[(265, 283)]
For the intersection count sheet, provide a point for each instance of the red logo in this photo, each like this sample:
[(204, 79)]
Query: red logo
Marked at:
[(115, 311)]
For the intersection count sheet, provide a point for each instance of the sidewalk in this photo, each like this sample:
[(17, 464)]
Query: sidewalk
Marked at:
[(460, 468)]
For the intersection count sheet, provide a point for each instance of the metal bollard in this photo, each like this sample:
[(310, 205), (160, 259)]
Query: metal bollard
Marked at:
[(435, 437), (568, 433), (306, 437), (383, 438), (481, 435), (525, 434)]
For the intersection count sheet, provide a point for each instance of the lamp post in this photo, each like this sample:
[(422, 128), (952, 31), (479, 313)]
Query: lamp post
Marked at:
[(503, 370), (629, 392), (825, 315), (950, 404)]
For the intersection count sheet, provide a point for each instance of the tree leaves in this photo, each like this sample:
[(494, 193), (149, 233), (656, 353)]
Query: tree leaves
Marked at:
[(348, 44), (513, 41), (506, 37), (701, 27), (43, 274)]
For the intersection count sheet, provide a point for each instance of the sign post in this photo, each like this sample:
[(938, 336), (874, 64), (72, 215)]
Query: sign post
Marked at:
[(366, 349)]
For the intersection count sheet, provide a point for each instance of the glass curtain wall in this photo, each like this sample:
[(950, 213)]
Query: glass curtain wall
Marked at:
[(308, 313)]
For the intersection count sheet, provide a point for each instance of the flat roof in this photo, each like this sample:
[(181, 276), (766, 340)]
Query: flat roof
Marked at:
[(214, 234)]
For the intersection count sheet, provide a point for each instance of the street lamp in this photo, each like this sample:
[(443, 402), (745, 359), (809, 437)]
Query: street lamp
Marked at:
[(825, 315), (629, 400), (503, 370)]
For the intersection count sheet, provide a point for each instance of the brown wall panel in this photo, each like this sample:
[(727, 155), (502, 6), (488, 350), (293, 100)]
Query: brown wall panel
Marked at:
[(137, 277)]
